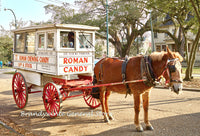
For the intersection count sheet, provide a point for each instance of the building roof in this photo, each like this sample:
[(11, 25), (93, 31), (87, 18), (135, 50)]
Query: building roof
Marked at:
[(56, 26), (168, 22)]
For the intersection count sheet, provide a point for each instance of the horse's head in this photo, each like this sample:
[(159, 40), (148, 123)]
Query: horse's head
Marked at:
[(168, 64), (174, 71)]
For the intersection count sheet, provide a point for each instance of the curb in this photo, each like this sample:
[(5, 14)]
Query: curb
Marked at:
[(184, 89), (9, 128)]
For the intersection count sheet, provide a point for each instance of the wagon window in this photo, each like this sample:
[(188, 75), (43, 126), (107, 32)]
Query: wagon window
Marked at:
[(20, 42), (66, 39), (30, 42), (85, 40), (41, 41), (50, 40)]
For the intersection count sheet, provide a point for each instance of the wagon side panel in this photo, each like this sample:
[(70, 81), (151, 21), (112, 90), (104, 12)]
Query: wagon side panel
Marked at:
[(47, 62), (75, 63)]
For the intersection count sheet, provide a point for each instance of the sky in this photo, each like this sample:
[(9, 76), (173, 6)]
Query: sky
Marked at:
[(26, 10)]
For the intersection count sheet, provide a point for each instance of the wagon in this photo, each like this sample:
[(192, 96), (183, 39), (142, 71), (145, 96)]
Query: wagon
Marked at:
[(54, 59)]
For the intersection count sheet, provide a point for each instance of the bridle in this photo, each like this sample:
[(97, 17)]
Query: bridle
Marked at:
[(171, 68), (148, 73)]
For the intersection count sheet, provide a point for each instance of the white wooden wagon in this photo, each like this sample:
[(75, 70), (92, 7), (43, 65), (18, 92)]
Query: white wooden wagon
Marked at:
[(57, 58)]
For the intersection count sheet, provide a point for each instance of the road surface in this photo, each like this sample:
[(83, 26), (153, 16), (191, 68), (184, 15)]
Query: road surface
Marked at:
[(170, 115)]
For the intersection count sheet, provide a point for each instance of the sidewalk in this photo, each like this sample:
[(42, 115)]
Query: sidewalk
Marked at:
[(184, 89), (6, 70), (194, 75)]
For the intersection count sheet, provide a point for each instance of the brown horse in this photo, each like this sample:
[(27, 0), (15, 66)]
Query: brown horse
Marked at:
[(108, 70)]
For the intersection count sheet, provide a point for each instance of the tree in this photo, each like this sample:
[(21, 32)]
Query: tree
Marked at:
[(182, 15), (98, 51), (127, 20), (191, 59), (6, 46)]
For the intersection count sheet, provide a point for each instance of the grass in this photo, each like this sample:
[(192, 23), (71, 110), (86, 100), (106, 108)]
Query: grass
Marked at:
[(5, 67), (13, 72), (196, 70)]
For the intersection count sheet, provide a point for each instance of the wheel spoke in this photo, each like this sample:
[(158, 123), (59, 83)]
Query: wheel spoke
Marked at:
[(89, 97), (48, 106), (23, 98), (93, 101)]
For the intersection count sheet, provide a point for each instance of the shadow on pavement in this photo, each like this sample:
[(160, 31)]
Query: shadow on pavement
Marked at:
[(182, 125)]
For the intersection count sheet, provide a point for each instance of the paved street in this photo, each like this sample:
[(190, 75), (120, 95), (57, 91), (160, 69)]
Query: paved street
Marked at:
[(170, 115)]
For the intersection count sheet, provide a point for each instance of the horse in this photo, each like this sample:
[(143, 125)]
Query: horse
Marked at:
[(108, 70)]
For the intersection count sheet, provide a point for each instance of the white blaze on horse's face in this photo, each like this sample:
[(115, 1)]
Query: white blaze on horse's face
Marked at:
[(175, 76)]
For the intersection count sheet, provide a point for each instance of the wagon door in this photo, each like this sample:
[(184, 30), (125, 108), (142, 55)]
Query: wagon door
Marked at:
[(46, 52)]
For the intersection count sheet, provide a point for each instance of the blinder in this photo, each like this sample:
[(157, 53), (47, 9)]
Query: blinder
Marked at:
[(172, 68)]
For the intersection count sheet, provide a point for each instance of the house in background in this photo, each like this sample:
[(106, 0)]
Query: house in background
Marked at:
[(162, 40)]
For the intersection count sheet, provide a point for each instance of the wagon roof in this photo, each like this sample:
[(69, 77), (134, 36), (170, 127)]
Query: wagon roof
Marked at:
[(62, 26)]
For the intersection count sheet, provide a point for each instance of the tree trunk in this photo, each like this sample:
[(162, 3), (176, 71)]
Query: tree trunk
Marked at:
[(190, 64)]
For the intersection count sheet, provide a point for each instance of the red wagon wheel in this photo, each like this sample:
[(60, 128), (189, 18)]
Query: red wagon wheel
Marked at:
[(19, 89), (52, 99), (90, 101)]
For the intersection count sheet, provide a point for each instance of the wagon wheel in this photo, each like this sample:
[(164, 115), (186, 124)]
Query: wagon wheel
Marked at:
[(19, 89), (52, 99), (90, 101)]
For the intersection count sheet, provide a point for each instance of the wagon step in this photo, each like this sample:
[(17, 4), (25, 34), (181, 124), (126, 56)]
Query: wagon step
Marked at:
[(72, 83)]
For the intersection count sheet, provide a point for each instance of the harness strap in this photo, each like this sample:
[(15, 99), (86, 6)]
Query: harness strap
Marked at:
[(124, 64), (101, 72), (147, 71), (124, 69)]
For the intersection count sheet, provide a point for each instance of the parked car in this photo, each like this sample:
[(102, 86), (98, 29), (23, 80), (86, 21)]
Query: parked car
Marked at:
[(9, 64), (96, 60)]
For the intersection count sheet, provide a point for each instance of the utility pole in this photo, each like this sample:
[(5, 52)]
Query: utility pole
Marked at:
[(14, 16), (107, 27), (152, 35)]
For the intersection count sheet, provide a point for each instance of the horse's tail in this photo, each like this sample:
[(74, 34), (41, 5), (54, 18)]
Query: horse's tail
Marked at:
[(95, 91)]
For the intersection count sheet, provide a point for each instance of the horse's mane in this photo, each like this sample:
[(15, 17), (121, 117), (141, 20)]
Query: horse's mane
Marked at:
[(158, 56), (177, 55)]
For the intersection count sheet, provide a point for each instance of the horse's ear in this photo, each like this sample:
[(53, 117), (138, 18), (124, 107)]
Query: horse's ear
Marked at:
[(169, 52)]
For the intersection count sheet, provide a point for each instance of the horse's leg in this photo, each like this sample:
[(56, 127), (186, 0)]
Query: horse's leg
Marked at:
[(145, 98), (137, 111), (102, 99), (106, 105)]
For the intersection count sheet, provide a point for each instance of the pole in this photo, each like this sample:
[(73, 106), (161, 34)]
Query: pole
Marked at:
[(152, 35), (107, 27), (14, 16)]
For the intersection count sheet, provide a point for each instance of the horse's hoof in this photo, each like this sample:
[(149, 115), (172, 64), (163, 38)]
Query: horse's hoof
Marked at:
[(106, 120), (139, 129), (149, 127), (111, 117)]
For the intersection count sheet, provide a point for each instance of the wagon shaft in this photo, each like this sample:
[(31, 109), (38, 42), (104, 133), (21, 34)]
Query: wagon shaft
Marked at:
[(101, 85)]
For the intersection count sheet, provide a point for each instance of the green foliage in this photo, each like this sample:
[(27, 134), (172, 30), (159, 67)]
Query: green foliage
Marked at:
[(126, 19), (98, 51), (6, 46)]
